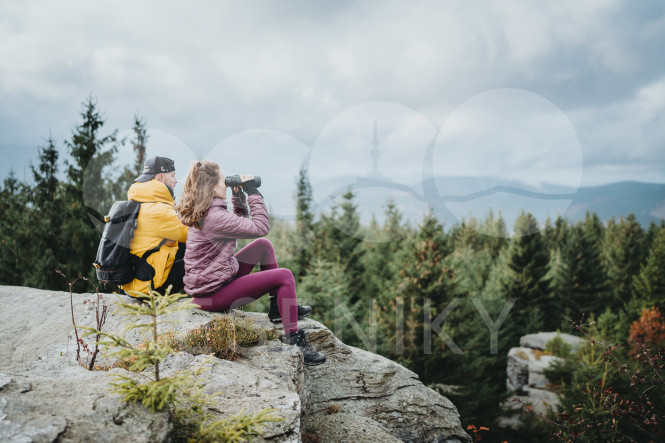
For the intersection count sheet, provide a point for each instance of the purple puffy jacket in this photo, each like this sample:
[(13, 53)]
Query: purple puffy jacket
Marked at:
[(209, 257)]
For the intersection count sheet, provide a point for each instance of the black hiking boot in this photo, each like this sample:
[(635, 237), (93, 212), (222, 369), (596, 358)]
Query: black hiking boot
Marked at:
[(299, 339), (274, 315)]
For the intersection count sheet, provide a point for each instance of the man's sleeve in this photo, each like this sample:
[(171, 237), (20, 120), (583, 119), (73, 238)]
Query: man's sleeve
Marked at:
[(169, 225)]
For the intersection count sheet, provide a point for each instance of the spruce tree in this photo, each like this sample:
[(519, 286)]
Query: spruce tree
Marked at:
[(372, 260), (594, 229), (139, 143), (479, 375), (45, 178), (325, 288), (529, 258), (624, 253), (480, 386), (90, 155), (422, 280), (393, 226), (16, 220), (467, 234), (495, 234), (380, 254), (559, 280), (471, 267), (88, 193), (48, 205), (180, 393), (556, 235), (351, 247), (304, 232), (340, 240), (652, 233), (649, 285), (589, 289)]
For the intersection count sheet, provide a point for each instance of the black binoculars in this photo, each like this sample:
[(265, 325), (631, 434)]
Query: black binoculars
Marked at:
[(233, 181)]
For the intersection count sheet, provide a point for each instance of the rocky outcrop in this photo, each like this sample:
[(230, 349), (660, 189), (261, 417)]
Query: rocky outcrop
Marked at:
[(365, 386), (525, 368), (355, 396), (526, 363), (525, 374), (246, 389), (526, 379)]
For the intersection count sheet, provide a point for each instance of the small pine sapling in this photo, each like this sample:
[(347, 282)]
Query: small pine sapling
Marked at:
[(157, 393), (180, 393)]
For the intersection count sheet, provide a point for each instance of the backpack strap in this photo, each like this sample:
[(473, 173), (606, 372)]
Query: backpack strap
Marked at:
[(149, 252)]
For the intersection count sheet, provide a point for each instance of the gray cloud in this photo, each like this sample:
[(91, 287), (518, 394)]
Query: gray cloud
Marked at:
[(205, 71)]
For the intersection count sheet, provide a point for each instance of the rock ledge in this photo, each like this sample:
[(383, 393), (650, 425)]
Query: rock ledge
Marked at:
[(355, 396)]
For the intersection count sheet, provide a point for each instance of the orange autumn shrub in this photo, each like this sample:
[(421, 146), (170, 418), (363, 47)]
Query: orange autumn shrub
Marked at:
[(649, 330)]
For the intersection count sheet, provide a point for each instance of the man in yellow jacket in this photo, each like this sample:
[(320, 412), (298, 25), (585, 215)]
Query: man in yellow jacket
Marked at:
[(158, 226)]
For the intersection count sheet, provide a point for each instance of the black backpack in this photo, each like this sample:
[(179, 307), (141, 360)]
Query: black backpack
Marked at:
[(114, 263)]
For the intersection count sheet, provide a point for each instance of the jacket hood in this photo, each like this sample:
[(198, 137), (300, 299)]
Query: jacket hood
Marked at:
[(150, 191)]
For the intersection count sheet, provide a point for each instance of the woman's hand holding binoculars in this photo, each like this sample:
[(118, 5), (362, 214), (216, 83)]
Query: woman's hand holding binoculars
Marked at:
[(249, 183)]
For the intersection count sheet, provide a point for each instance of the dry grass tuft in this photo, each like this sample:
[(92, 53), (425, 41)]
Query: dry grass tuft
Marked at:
[(225, 337), (521, 354), (308, 437), (537, 353), (333, 409)]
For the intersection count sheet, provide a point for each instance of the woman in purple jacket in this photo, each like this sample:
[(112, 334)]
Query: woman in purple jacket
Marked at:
[(219, 278)]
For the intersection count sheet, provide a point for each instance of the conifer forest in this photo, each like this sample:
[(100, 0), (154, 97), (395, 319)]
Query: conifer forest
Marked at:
[(427, 296)]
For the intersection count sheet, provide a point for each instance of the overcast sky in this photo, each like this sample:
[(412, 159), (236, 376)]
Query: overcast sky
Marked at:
[(564, 92)]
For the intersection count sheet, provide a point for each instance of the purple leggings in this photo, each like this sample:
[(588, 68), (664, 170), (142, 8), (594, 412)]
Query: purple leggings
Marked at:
[(246, 287)]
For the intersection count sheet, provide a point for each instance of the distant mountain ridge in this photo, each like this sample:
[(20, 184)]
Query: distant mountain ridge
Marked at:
[(645, 200), (457, 198)]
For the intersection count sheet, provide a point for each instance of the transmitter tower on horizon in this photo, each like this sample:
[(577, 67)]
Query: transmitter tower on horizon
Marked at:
[(375, 154)]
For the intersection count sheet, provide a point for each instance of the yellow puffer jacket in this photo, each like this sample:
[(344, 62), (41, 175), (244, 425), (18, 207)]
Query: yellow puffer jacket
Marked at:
[(157, 220)]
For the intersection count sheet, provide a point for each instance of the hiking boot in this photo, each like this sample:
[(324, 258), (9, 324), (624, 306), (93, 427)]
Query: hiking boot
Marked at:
[(274, 315), (299, 339)]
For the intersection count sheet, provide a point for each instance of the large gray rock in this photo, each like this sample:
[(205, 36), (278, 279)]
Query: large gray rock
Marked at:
[(366, 385), (354, 396), (345, 427), (37, 324), (542, 400), (242, 388), (56, 400), (363, 387)]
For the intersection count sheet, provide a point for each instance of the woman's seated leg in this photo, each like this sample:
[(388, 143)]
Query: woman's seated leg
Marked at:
[(245, 289), (261, 252)]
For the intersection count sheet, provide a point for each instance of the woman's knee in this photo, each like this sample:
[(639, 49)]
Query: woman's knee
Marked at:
[(286, 276), (265, 244)]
